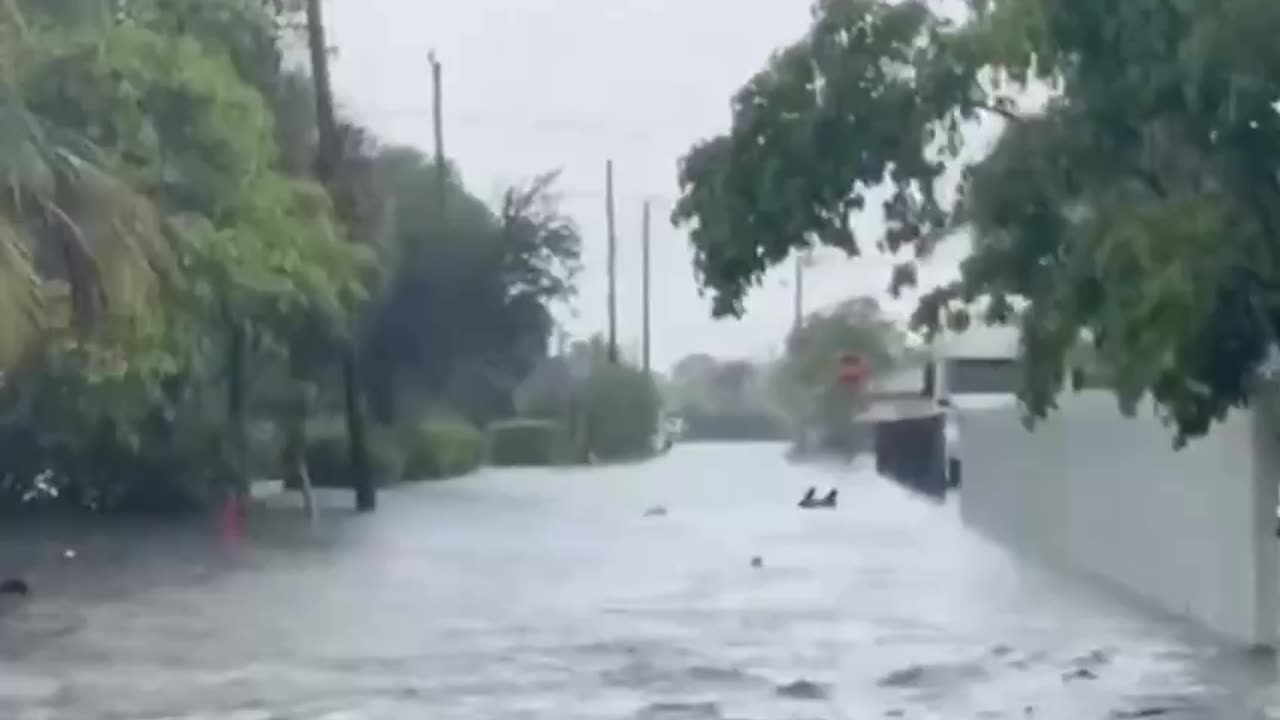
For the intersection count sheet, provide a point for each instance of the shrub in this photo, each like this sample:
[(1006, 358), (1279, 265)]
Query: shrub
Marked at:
[(328, 460), (747, 426), (525, 442), (264, 450), (441, 448), (621, 408)]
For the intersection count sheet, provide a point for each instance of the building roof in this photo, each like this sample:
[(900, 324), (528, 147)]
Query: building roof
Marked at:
[(979, 341)]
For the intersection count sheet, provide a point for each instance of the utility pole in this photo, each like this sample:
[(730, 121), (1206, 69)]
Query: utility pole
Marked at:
[(442, 162), (645, 280), (799, 299), (613, 264), (328, 159)]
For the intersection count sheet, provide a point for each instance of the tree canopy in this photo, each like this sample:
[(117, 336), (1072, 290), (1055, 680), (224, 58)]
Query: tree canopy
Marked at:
[(724, 399), (173, 270), (1135, 208), (807, 379)]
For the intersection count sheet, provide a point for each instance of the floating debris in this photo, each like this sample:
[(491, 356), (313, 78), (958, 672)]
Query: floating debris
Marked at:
[(906, 677), (1094, 658), (803, 690), (1079, 674), (933, 677), (1141, 713), (682, 710), (14, 586)]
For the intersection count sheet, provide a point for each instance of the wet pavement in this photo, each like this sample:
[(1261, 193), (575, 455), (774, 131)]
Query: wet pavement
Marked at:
[(551, 594)]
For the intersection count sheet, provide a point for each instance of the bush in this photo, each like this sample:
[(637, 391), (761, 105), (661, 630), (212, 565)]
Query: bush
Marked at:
[(525, 442), (724, 427), (328, 461), (442, 448), (264, 450), (622, 408)]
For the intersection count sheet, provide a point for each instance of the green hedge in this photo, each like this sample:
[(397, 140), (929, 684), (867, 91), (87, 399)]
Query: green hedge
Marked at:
[(524, 442), (264, 449), (429, 450), (328, 461), (621, 413), (442, 448)]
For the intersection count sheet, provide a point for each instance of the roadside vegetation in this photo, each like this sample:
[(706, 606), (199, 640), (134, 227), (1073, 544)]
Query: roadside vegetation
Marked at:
[(1130, 198), (195, 291), (578, 407), (821, 408), (725, 400)]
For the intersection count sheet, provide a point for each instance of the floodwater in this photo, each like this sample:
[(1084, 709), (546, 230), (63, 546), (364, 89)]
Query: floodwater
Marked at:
[(550, 594)]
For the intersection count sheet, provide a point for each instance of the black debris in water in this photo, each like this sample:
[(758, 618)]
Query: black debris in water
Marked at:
[(682, 710), (803, 690), (905, 677), (14, 586), (1141, 713), (1079, 674)]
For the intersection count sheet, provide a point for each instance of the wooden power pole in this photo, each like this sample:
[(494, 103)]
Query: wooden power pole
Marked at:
[(799, 299), (644, 270), (328, 159), (613, 263), (442, 162)]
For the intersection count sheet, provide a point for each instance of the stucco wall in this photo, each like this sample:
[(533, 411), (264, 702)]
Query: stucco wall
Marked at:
[(1192, 532)]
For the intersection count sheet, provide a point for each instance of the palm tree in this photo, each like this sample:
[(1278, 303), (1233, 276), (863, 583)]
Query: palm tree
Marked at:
[(74, 238)]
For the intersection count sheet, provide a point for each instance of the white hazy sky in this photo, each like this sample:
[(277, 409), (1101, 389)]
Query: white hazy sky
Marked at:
[(537, 85)]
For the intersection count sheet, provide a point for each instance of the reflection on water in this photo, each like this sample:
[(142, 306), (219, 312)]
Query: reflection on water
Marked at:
[(550, 594)]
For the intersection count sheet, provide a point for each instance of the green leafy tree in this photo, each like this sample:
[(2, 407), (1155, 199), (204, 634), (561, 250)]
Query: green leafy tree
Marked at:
[(724, 399), (191, 238), (468, 316), (74, 236), (231, 254), (1137, 207), (808, 376)]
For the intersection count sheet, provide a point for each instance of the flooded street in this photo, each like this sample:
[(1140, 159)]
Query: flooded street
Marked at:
[(549, 594)]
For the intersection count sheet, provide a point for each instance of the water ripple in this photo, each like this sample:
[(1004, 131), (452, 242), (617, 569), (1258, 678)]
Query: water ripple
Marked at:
[(547, 594)]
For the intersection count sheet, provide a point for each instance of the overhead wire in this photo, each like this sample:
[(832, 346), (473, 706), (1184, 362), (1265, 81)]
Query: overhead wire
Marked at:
[(549, 126)]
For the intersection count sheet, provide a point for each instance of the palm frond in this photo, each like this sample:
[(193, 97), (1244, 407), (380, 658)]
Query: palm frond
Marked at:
[(20, 298), (61, 200)]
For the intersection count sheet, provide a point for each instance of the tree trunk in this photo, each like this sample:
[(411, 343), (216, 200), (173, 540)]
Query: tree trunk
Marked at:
[(329, 150), (361, 478), (236, 402), (380, 385), (295, 462), (328, 159), (297, 412), (308, 494)]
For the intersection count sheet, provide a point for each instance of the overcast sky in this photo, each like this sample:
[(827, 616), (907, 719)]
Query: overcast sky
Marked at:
[(536, 85)]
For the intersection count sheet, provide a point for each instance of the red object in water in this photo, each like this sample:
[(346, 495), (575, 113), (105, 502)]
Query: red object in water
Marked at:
[(853, 369), (231, 520)]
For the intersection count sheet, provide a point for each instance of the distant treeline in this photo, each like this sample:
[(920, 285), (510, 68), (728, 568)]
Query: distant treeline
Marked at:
[(743, 427)]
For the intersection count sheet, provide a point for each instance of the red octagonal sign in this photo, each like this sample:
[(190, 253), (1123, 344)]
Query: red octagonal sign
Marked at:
[(853, 369)]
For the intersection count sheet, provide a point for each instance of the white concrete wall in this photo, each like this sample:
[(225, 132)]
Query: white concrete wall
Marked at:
[(1192, 532)]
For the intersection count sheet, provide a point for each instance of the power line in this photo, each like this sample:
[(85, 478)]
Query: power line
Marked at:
[(508, 119), (639, 197)]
